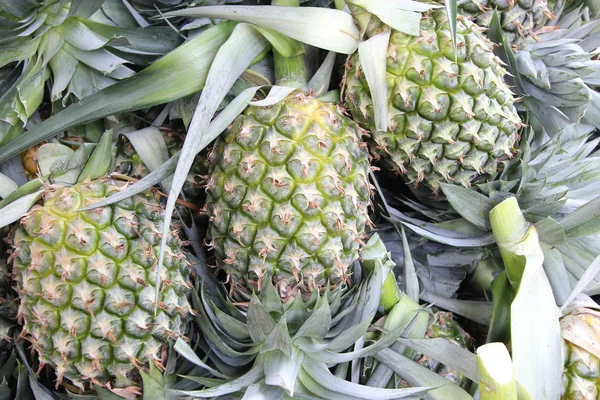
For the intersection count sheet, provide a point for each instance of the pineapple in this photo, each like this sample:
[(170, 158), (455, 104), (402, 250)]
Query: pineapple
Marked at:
[(448, 121), (518, 19), (287, 197), (86, 284), (581, 376)]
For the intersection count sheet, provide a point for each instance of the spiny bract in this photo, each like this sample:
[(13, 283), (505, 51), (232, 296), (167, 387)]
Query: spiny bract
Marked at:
[(288, 194), (449, 121), (86, 282)]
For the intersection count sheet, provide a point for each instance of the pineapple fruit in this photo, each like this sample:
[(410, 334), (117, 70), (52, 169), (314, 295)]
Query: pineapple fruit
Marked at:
[(287, 197), (86, 283), (581, 376), (518, 19), (448, 121)]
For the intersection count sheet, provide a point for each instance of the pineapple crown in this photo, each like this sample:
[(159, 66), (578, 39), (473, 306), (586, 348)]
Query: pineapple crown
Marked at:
[(276, 347)]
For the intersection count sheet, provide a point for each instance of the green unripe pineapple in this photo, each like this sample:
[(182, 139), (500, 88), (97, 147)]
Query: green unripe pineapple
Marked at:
[(451, 116), (86, 282), (288, 194), (518, 19)]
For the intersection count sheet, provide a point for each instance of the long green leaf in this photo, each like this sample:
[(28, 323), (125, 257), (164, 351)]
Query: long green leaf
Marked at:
[(230, 62), (179, 73)]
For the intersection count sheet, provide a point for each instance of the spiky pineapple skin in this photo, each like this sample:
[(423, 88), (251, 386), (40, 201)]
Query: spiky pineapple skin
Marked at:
[(447, 121), (86, 283), (518, 19), (287, 196)]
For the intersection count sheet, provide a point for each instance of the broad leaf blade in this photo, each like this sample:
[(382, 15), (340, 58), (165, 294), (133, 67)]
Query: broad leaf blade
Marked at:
[(325, 28)]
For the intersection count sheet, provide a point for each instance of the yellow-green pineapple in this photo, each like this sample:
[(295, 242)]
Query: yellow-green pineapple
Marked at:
[(451, 116), (288, 194)]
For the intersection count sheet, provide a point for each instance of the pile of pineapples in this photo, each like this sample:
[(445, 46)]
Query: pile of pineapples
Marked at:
[(359, 199)]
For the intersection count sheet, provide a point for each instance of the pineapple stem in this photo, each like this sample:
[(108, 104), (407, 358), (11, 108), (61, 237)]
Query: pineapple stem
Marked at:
[(516, 238), (496, 375), (390, 293), (289, 71)]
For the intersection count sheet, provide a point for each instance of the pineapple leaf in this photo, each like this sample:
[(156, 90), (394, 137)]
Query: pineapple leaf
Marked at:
[(373, 55), (401, 15), (411, 280), (100, 161), (332, 384), (270, 299), (319, 83), (276, 95), (349, 336), (452, 18), (557, 273), (478, 311), (505, 52), (262, 390), (15, 210), (234, 327), (417, 375), (551, 231), (282, 370), (319, 322), (278, 340), (584, 221), (39, 391), (447, 236), (7, 186), (186, 351), (153, 385), (260, 323), (179, 73), (28, 188), (253, 375), (284, 45), (472, 206), (150, 144), (320, 27), (447, 353), (84, 8), (584, 281), (104, 394)]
